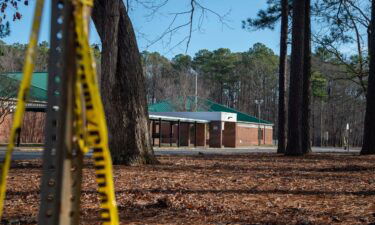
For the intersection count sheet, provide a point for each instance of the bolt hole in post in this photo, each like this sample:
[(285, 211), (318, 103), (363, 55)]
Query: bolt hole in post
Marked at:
[(59, 35), (57, 78), (60, 5), (60, 20)]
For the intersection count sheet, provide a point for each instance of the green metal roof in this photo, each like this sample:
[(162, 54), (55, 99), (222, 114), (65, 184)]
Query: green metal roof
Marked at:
[(38, 92), (204, 105), (38, 89)]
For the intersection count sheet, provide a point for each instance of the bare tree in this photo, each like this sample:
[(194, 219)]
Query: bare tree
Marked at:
[(188, 21), (32, 132), (8, 93), (345, 22)]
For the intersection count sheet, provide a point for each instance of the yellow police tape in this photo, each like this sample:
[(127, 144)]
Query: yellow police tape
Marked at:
[(21, 99), (94, 133)]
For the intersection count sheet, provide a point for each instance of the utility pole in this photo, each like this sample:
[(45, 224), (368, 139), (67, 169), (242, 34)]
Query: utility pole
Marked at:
[(196, 91), (258, 103), (348, 135)]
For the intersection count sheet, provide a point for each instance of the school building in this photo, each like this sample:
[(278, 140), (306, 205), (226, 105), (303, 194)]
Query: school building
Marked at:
[(210, 125), (199, 124)]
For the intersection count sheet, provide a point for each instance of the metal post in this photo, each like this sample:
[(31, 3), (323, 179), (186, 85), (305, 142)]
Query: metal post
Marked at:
[(178, 133), (160, 136), (54, 152)]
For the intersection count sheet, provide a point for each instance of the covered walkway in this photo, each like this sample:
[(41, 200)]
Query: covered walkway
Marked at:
[(178, 131)]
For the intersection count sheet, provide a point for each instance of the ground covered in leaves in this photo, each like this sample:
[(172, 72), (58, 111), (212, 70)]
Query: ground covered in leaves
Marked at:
[(204, 189)]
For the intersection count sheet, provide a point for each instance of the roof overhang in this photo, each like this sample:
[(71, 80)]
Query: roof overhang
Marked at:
[(206, 116), (176, 119)]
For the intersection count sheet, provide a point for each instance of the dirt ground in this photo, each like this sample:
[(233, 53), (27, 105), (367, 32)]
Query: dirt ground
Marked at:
[(240, 189)]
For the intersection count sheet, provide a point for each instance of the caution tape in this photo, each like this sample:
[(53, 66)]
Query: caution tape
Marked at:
[(21, 99), (93, 134), (90, 125)]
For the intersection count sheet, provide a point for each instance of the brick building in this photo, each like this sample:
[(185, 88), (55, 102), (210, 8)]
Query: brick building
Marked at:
[(212, 125), (33, 123)]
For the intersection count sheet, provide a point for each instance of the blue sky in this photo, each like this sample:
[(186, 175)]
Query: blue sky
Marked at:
[(212, 35)]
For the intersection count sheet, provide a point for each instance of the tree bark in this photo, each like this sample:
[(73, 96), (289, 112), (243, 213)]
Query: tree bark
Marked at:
[(368, 146), (122, 85), (306, 92), (282, 74), (294, 146)]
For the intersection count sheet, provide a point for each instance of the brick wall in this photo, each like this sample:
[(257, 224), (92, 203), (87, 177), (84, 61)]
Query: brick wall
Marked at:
[(32, 130), (5, 129), (201, 134), (269, 137), (166, 132), (215, 134), (247, 135), (229, 134), (185, 134)]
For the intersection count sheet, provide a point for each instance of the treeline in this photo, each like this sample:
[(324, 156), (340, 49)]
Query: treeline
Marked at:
[(12, 56), (344, 33), (237, 79)]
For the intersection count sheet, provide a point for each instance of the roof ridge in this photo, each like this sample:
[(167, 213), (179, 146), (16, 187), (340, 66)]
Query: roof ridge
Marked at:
[(209, 105), (235, 110)]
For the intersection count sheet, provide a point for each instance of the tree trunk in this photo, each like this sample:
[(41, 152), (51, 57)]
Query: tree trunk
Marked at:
[(122, 85), (313, 121), (368, 146), (306, 92), (294, 145), (282, 74)]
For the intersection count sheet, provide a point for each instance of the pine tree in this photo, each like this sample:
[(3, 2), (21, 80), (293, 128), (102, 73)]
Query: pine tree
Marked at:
[(368, 146)]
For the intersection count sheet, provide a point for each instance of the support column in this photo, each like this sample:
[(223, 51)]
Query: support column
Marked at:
[(160, 136), (153, 132), (216, 136), (185, 134), (201, 134), (229, 135), (178, 133), (195, 134), (170, 133)]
